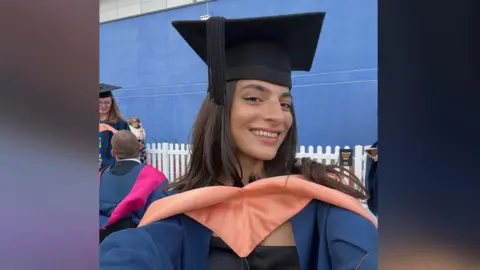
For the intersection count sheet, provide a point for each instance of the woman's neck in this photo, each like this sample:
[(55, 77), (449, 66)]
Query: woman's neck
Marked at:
[(251, 167), (103, 116)]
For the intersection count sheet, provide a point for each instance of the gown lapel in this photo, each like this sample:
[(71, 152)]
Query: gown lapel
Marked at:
[(196, 245), (304, 233), (196, 239)]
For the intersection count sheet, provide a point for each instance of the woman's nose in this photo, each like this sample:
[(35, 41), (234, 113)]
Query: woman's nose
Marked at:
[(273, 112)]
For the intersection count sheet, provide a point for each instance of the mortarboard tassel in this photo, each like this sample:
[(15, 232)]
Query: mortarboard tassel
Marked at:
[(216, 58)]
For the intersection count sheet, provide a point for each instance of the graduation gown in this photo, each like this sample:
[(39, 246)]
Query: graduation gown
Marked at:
[(105, 150), (332, 231), (372, 183), (126, 190)]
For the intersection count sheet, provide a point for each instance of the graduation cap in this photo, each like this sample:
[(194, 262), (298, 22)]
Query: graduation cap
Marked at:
[(263, 48), (106, 90)]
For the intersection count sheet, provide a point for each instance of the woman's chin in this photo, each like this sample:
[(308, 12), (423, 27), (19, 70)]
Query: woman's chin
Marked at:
[(264, 155)]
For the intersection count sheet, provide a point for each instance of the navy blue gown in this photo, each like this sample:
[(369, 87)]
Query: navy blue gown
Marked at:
[(105, 150), (127, 188), (327, 238)]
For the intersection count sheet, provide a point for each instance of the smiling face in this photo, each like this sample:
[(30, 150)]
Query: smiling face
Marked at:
[(104, 105), (254, 128), (134, 122), (261, 117)]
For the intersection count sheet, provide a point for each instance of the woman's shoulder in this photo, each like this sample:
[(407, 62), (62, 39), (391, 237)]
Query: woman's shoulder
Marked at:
[(343, 223), (155, 245), (134, 130), (352, 239), (335, 212), (121, 124), (342, 213)]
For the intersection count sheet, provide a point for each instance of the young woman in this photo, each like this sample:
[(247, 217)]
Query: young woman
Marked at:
[(137, 129), (245, 202), (109, 115)]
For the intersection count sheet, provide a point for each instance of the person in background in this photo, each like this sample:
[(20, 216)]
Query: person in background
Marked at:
[(372, 178), (245, 201), (109, 115), (128, 187), (137, 129)]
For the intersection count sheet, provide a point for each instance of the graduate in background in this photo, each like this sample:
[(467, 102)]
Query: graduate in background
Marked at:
[(245, 201), (128, 187), (137, 128), (372, 178), (109, 115)]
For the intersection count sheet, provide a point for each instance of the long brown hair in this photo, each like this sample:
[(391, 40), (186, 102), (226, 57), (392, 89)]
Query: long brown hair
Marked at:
[(114, 114), (213, 153)]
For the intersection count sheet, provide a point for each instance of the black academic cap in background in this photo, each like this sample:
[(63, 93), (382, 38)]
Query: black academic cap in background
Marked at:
[(263, 48), (106, 90)]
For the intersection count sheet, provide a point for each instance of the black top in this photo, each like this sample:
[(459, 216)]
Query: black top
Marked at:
[(222, 257), (264, 48)]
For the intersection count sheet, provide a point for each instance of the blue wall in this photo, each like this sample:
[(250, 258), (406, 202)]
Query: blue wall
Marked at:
[(164, 81)]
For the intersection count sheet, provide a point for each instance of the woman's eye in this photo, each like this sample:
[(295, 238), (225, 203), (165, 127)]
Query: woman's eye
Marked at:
[(253, 99), (286, 105)]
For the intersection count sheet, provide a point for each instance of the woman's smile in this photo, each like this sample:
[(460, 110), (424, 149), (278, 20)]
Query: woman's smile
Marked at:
[(267, 137)]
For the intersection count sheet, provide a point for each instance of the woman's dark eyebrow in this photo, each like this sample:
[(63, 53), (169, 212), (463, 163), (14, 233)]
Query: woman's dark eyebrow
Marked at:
[(262, 88)]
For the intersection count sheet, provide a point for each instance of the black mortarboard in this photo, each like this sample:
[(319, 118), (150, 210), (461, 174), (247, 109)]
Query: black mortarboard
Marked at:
[(264, 48), (106, 90)]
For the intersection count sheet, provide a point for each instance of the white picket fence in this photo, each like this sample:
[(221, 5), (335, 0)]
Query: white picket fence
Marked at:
[(172, 159)]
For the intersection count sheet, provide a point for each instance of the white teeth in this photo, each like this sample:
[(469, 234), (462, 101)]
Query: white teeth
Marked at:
[(264, 133)]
